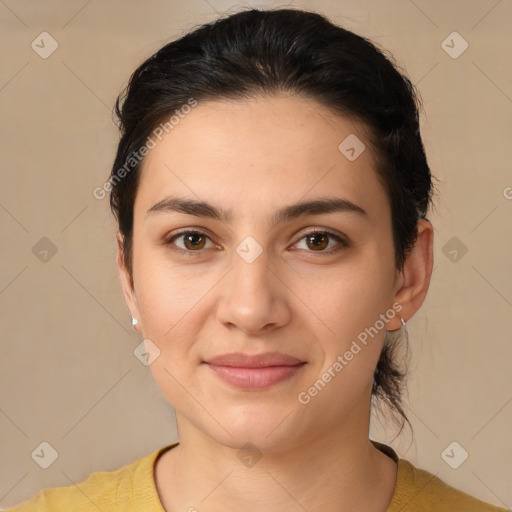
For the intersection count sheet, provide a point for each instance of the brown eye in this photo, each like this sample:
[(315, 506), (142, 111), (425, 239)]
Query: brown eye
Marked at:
[(317, 240), (194, 240), (191, 241)]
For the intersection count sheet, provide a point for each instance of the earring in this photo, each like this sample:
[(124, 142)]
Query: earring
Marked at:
[(406, 332), (134, 323), (403, 325)]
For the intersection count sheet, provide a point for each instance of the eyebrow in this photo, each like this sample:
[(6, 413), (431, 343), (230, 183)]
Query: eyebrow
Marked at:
[(203, 209)]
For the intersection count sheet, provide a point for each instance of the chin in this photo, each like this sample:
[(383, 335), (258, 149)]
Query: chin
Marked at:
[(272, 431), (257, 441)]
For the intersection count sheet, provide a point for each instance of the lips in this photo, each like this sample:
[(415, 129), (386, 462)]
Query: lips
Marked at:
[(255, 372), (241, 360)]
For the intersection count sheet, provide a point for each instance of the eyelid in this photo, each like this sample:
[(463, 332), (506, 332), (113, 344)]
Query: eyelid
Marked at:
[(169, 239), (309, 231), (341, 239)]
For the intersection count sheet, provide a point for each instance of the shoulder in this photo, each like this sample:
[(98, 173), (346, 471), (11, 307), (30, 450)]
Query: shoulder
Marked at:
[(420, 491), (122, 489)]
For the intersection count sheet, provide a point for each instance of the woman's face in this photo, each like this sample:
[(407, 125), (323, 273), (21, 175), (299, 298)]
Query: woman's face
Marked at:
[(254, 280)]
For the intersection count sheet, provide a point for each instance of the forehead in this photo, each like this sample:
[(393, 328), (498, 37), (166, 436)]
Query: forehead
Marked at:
[(262, 153)]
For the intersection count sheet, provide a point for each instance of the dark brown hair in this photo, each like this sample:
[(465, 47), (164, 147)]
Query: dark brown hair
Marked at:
[(262, 52)]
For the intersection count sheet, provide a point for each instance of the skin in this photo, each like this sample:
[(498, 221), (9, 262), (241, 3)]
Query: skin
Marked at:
[(253, 157)]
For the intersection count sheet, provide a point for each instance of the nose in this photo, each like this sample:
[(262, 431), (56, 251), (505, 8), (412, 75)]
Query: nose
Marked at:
[(253, 298)]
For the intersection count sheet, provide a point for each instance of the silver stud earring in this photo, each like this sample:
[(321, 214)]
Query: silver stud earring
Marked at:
[(134, 323)]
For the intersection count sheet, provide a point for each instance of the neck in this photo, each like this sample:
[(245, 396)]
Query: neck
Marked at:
[(338, 467)]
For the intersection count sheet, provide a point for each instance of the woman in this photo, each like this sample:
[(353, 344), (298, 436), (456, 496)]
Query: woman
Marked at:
[(271, 190)]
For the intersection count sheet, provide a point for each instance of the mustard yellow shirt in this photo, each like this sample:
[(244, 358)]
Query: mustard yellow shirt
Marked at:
[(132, 489)]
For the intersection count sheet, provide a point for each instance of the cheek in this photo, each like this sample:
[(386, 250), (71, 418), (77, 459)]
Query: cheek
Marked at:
[(349, 306), (347, 299), (350, 310), (167, 293)]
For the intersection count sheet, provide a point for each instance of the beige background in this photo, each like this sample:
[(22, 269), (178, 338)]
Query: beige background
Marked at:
[(69, 376)]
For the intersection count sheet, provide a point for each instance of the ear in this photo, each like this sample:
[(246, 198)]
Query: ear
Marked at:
[(416, 274), (127, 284)]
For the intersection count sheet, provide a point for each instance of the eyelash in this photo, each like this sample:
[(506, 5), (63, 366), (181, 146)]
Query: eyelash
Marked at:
[(342, 243)]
